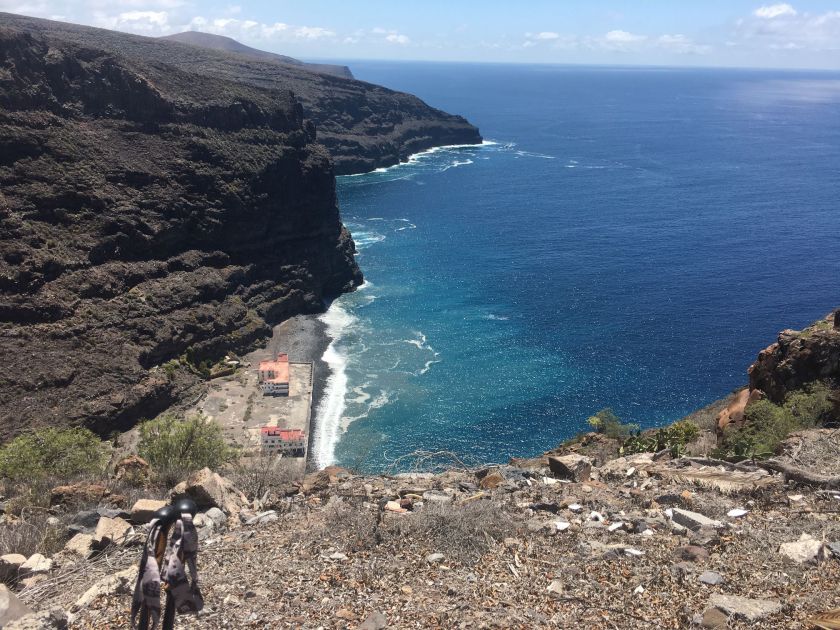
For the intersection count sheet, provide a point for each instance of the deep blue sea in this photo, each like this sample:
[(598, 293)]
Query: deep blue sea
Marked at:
[(627, 238)]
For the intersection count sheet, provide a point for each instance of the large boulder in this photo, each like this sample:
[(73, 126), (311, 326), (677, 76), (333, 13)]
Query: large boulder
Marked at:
[(111, 531), (144, 510), (805, 550), (11, 607), (209, 489), (323, 479), (80, 545), (573, 467)]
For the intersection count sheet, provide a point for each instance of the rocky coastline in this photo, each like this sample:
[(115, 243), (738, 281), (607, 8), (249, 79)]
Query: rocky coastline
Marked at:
[(164, 204)]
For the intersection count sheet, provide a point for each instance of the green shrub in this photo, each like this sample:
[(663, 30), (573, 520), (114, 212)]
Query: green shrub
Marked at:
[(175, 447), (767, 425), (607, 423), (52, 452), (673, 437)]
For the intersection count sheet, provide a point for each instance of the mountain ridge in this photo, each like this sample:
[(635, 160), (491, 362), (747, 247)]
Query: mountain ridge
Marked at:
[(221, 42)]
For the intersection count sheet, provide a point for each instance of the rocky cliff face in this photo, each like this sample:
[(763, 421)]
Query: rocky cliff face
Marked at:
[(146, 212), (363, 126), (798, 358)]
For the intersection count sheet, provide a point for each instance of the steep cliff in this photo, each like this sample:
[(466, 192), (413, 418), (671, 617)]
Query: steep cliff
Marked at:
[(798, 358), (147, 212), (363, 126)]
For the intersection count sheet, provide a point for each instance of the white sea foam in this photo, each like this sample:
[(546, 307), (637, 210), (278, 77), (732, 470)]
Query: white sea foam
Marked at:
[(499, 318), (333, 401)]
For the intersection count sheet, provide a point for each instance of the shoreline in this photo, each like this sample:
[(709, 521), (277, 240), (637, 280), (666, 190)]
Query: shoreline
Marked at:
[(304, 338)]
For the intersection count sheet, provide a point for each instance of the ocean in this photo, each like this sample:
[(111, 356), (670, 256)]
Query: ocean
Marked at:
[(626, 237)]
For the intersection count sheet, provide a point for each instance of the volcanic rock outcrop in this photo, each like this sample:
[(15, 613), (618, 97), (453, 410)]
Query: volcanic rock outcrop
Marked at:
[(798, 358)]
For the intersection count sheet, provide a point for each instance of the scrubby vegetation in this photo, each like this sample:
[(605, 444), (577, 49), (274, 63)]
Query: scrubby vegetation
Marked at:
[(175, 447), (52, 453), (607, 423), (767, 424), (673, 438)]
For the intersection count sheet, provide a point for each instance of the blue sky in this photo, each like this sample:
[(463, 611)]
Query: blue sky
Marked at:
[(673, 32)]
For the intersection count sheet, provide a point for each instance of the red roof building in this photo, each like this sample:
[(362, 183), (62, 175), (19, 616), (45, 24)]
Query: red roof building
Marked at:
[(274, 376), (289, 442)]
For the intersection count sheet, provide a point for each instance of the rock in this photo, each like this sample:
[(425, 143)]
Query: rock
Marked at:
[(734, 412), (711, 578), (556, 587), (111, 531), (78, 494), (714, 618), (744, 607), (80, 545), (10, 565), (575, 507), (737, 513), (209, 489), (440, 497), (133, 470), (55, 619), (491, 481), (374, 621), (121, 583), (434, 558), (693, 520), (576, 468), (394, 506), (216, 516), (346, 615), (806, 549), (263, 517), (320, 481), (113, 513), (35, 565), (341, 557), (692, 553), (561, 526), (144, 510), (834, 548), (200, 521), (545, 507), (84, 522), (11, 608)]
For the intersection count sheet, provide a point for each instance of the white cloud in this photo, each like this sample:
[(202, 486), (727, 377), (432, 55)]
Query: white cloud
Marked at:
[(547, 36), (142, 22), (797, 31), (682, 45), (313, 32), (623, 37), (772, 11), (397, 38)]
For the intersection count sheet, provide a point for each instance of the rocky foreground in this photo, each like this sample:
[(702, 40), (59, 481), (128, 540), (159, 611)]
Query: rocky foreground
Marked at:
[(636, 542)]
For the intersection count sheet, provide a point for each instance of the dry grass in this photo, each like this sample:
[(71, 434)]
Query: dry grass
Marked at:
[(258, 476), (463, 532)]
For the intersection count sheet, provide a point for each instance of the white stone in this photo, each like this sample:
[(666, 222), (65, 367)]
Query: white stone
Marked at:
[(556, 587), (596, 516), (616, 526), (575, 507), (806, 549), (434, 558), (737, 513), (639, 589), (36, 565), (338, 556), (562, 526), (633, 552)]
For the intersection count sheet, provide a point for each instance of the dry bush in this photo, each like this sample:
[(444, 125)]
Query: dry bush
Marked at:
[(32, 533), (464, 532), (260, 474), (355, 527)]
